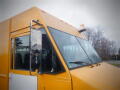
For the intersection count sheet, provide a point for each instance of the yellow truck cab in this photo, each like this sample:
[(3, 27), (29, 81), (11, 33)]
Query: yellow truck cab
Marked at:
[(40, 52)]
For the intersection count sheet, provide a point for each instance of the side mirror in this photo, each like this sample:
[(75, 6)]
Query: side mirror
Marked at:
[(35, 49), (36, 41), (36, 46), (35, 38)]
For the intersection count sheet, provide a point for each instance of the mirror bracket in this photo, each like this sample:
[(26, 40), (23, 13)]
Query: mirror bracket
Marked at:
[(36, 22)]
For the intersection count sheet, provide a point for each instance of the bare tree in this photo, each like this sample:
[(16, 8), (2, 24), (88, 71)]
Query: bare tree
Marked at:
[(103, 45)]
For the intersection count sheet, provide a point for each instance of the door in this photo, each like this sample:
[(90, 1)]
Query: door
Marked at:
[(52, 73), (21, 78), (52, 70)]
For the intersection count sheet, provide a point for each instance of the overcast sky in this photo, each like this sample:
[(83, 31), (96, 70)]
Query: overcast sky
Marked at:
[(103, 13)]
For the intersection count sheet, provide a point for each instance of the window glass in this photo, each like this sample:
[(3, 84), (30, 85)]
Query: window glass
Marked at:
[(92, 54), (70, 48), (76, 51), (50, 59), (43, 56), (22, 54), (44, 59)]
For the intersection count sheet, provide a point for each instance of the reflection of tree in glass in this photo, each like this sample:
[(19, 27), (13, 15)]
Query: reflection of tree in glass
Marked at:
[(18, 41), (103, 45), (36, 47)]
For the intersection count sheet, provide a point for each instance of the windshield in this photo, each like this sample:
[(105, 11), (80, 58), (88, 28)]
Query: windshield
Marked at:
[(90, 51), (75, 51)]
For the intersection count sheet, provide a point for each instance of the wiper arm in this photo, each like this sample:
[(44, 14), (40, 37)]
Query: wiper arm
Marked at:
[(80, 62)]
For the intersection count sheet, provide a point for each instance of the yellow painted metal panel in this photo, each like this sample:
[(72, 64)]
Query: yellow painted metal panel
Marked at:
[(23, 20), (4, 66), (54, 22), (19, 33), (55, 81), (102, 77)]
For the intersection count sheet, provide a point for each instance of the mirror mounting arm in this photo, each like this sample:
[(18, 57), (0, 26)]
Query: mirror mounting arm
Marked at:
[(36, 23)]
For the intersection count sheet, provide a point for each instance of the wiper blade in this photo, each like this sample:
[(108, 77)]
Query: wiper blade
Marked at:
[(78, 62)]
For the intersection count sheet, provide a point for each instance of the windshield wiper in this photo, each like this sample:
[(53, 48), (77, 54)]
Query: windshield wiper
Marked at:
[(80, 62)]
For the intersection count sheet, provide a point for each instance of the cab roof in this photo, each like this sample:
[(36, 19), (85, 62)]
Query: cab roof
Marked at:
[(23, 19)]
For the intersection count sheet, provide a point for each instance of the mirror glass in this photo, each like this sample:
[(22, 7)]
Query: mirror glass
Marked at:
[(36, 49), (36, 38)]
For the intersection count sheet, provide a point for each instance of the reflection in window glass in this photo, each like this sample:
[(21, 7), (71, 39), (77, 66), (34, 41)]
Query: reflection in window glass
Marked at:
[(43, 56), (51, 62), (70, 49), (92, 54), (36, 48), (22, 53)]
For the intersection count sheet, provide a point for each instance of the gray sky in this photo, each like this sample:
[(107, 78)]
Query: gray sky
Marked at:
[(104, 13)]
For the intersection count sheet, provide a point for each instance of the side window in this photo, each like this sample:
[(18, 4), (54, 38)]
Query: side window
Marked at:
[(51, 62), (43, 56), (21, 53)]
